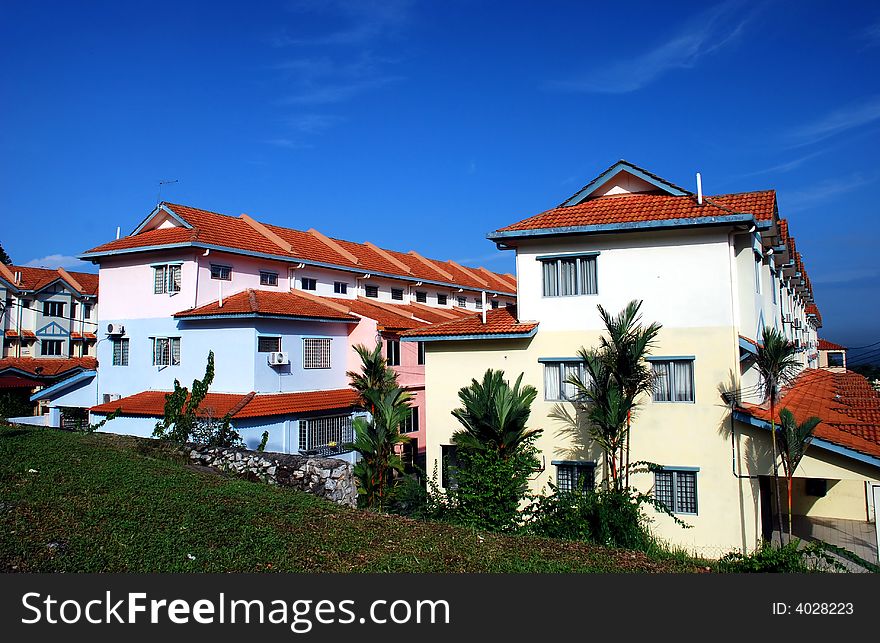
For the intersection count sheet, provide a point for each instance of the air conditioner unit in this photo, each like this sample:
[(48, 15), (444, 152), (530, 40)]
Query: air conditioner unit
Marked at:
[(115, 329), (278, 358), (111, 397)]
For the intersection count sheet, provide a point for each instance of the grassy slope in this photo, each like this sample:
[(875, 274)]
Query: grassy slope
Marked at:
[(113, 503)]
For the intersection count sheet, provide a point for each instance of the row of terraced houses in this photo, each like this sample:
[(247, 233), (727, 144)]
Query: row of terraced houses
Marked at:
[(282, 309)]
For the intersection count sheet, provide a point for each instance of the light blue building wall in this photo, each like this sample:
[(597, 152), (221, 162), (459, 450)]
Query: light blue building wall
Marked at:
[(238, 367)]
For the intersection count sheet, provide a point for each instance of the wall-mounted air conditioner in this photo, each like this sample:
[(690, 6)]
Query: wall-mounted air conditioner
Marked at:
[(111, 397), (278, 358), (115, 329)]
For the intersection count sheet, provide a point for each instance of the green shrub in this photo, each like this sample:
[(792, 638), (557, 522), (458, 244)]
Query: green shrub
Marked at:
[(793, 557), (606, 517), (14, 403)]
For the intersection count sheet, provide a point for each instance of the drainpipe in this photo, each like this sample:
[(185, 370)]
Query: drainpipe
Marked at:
[(735, 465)]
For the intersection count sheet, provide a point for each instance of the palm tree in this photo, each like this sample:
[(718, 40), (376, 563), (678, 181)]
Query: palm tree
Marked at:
[(795, 439), (625, 349), (777, 362), (374, 375), (616, 374), (494, 415), (376, 441)]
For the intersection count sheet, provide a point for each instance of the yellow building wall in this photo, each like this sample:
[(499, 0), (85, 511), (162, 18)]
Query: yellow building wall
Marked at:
[(844, 499), (673, 434)]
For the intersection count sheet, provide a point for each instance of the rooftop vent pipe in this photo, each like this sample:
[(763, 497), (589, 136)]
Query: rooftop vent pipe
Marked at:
[(699, 189)]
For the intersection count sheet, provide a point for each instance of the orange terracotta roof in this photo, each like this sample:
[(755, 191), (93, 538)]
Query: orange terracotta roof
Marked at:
[(236, 233), (28, 333), (825, 345), (635, 208), (250, 405), (50, 366), (11, 332), (387, 316), (267, 302), (76, 335), (499, 321), (33, 279), (812, 309), (845, 402)]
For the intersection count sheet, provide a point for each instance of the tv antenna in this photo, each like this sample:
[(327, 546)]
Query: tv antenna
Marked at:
[(161, 183)]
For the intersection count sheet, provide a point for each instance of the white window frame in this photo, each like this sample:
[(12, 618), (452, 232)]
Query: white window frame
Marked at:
[(563, 368), (392, 350), (552, 266), (340, 287), (312, 281), (167, 284), (321, 344), (120, 352), (167, 355), (677, 477), (411, 423)]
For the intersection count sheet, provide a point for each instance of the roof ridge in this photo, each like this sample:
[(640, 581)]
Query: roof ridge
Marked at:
[(391, 308), (69, 278), (266, 232), (243, 402), (470, 273), (320, 300), (333, 245), (431, 264), (252, 300), (388, 257)]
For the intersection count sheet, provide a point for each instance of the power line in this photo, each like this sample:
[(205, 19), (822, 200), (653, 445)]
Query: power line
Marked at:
[(74, 319)]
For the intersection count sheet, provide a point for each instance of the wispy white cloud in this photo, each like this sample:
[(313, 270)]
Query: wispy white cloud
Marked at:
[(324, 80), (871, 35), (837, 122), (355, 22), (787, 166), (314, 123), (289, 143), (494, 257), (823, 190), (846, 276), (710, 31), (55, 261)]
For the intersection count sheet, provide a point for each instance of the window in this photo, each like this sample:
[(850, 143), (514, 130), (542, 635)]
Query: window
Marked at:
[(316, 352), (569, 275), (674, 380), (494, 304), (556, 389), (309, 284), (441, 299), (73, 310), (371, 291), (462, 302), (421, 358), (835, 359), (120, 351), (268, 344), (677, 489), (166, 279), (53, 308), (51, 346), (773, 285), (268, 278), (223, 273), (166, 351), (575, 476), (328, 435), (449, 457), (397, 294), (392, 352), (478, 303), (340, 287), (87, 311), (421, 297), (411, 424)]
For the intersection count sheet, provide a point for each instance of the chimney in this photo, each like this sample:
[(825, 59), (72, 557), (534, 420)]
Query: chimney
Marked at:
[(699, 189)]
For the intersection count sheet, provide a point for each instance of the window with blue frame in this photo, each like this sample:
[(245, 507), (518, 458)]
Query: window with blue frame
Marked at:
[(676, 489)]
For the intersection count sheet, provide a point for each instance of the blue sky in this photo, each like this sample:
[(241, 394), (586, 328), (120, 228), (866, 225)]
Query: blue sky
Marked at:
[(424, 125)]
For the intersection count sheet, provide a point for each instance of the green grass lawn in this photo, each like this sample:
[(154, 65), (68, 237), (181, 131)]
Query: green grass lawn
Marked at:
[(103, 503)]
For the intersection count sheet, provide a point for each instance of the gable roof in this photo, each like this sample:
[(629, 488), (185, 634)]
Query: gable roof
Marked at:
[(245, 235), (46, 366), (240, 405), (825, 345), (631, 211), (500, 323), (630, 168), (845, 402), (36, 279), (267, 303)]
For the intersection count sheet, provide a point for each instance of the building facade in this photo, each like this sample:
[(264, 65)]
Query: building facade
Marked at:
[(280, 308), (714, 272)]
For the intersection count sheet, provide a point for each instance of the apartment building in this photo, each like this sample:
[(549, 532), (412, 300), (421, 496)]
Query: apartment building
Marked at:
[(280, 308), (714, 271)]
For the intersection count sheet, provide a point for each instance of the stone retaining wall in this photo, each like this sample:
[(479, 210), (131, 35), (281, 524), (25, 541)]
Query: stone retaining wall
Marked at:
[(325, 477)]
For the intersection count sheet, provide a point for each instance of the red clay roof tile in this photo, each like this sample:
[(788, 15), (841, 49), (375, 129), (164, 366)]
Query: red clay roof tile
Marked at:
[(267, 302), (500, 321)]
